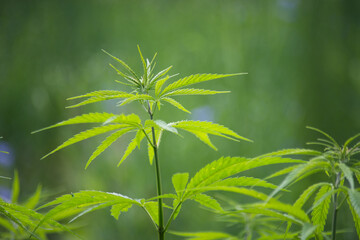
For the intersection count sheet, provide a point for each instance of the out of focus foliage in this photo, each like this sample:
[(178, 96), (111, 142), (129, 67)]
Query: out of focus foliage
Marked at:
[(303, 60)]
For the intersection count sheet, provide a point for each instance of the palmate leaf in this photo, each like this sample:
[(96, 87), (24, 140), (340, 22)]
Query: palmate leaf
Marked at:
[(85, 135), (107, 142), (354, 197), (348, 174), (117, 209), (308, 193), (228, 166), (71, 204), (159, 85), (320, 212), (192, 79), (293, 151), (204, 235), (307, 230), (34, 199), (192, 91), (204, 137), (209, 128)]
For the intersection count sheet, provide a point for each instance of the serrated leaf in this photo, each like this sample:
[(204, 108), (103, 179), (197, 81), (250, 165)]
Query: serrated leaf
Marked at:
[(136, 98), (228, 166), (207, 201), (356, 217), (300, 171), (159, 85), (179, 181), (348, 174), (354, 197), (100, 99), (85, 118), (153, 211), (306, 231), (99, 93), (192, 91), (81, 201), (85, 135), (34, 199), (106, 143), (293, 151), (150, 153), (282, 172), (15, 190), (166, 126), (204, 137), (210, 128), (192, 79), (132, 145), (320, 212), (123, 64), (243, 182), (204, 235), (118, 208), (175, 104), (307, 194)]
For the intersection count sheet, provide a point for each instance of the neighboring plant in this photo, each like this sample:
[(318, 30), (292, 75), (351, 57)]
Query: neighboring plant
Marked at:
[(17, 220), (340, 165), (151, 90)]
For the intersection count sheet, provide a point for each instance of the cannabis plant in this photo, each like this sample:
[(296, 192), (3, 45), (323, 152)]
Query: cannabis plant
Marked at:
[(340, 164), (17, 220), (151, 90)]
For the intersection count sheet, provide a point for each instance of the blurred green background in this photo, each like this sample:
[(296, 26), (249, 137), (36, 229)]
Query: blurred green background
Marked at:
[(303, 60)]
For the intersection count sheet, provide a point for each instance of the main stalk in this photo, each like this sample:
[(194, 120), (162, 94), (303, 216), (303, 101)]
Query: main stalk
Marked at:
[(337, 182), (161, 230)]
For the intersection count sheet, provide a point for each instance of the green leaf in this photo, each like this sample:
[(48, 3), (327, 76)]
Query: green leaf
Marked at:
[(348, 174), (123, 64), (228, 166), (356, 217), (70, 204), (301, 171), (175, 104), (135, 142), (210, 128), (117, 209), (159, 85), (15, 188), (307, 230), (136, 98), (325, 134), (307, 194), (204, 235), (293, 151), (207, 201), (282, 172), (150, 153), (243, 182), (85, 118), (354, 197), (99, 93), (204, 137), (192, 79), (100, 99), (320, 212), (192, 91), (179, 181), (107, 142), (34, 199), (166, 126), (153, 211), (85, 135)]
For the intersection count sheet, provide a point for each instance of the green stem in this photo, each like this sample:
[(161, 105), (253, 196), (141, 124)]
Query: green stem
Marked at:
[(172, 215), (337, 182), (161, 230)]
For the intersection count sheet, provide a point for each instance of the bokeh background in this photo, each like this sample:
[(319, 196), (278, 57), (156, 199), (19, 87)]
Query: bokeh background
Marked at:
[(303, 60)]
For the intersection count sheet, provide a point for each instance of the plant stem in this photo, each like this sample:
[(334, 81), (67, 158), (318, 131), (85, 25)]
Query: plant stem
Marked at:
[(161, 230), (337, 182)]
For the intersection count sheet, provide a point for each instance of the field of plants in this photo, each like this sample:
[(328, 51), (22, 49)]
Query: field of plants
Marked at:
[(180, 119)]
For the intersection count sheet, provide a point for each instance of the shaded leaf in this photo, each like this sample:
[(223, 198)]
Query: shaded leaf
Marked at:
[(179, 181)]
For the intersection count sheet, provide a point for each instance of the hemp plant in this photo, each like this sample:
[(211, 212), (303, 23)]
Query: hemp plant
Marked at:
[(340, 164), (151, 90)]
